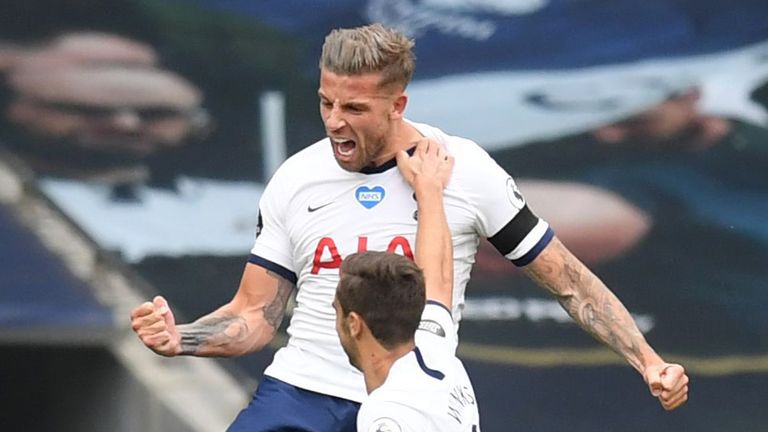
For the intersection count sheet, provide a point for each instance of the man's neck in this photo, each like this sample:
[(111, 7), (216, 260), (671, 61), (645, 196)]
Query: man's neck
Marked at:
[(404, 135), (377, 362)]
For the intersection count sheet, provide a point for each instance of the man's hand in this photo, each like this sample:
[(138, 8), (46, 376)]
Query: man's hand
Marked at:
[(156, 327), (430, 162), (669, 383)]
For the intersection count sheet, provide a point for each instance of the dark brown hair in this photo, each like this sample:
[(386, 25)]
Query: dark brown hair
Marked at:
[(387, 291)]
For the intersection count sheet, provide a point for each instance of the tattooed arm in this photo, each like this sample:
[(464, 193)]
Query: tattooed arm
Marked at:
[(597, 310), (245, 324)]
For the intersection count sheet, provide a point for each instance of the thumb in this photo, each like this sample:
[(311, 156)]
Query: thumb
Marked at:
[(163, 309), (653, 378), (403, 165), (402, 157)]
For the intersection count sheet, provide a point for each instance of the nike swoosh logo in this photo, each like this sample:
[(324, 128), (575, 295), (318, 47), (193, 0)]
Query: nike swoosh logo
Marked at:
[(312, 209)]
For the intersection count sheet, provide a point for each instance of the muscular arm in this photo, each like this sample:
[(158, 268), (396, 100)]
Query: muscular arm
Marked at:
[(428, 172), (591, 304), (245, 324), (434, 251)]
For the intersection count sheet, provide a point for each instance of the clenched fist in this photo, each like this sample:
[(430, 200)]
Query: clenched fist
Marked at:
[(669, 383), (155, 325)]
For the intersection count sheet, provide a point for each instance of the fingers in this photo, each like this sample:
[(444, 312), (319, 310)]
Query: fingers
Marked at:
[(402, 157), (448, 162), (669, 383), (146, 319), (653, 377), (427, 147), (422, 147), (674, 386), (163, 309), (439, 164), (404, 166), (676, 401), (161, 304), (155, 325), (432, 151), (411, 166), (157, 341), (144, 315), (447, 169), (430, 162), (673, 377)]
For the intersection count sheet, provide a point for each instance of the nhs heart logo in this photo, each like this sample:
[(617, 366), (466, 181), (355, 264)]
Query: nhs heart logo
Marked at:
[(369, 197)]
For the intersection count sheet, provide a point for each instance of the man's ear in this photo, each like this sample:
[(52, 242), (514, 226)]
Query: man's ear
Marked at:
[(398, 106), (355, 324)]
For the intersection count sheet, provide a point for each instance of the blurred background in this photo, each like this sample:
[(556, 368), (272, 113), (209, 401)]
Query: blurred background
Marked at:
[(136, 137)]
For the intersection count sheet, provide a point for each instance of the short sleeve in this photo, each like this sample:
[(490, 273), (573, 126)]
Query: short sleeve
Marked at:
[(503, 214), (272, 248), (436, 334)]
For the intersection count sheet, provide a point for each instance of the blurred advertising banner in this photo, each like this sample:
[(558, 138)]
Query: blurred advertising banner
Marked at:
[(527, 69), (637, 129)]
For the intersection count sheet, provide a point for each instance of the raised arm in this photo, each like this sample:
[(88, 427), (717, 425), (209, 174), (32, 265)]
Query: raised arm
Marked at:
[(246, 324), (428, 172), (597, 310)]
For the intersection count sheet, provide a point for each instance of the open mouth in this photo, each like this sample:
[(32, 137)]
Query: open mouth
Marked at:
[(344, 148)]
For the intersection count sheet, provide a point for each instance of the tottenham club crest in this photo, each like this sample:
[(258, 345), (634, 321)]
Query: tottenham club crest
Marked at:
[(514, 195)]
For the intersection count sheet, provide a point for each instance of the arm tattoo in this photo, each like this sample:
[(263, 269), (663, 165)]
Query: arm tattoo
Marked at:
[(275, 310), (220, 330), (212, 331), (588, 301)]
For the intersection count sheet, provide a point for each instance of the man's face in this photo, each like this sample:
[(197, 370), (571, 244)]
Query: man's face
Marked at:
[(673, 123), (358, 116), (124, 112), (345, 336), (131, 132)]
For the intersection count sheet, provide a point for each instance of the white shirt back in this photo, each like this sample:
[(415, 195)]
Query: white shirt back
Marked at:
[(428, 389)]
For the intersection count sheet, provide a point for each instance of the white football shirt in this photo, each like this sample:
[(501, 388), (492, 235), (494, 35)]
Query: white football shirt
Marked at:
[(428, 389), (313, 213)]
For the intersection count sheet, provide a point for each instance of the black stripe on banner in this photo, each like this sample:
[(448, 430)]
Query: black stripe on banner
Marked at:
[(536, 250), (273, 267), (507, 239)]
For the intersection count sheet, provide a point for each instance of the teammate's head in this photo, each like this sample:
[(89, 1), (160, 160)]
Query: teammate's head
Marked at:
[(363, 75), (382, 292)]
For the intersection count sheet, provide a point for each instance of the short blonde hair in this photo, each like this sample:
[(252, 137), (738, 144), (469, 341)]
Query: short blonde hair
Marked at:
[(371, 48)]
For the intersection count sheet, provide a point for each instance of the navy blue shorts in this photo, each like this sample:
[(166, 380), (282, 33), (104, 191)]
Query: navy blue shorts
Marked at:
[(279, 406)]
